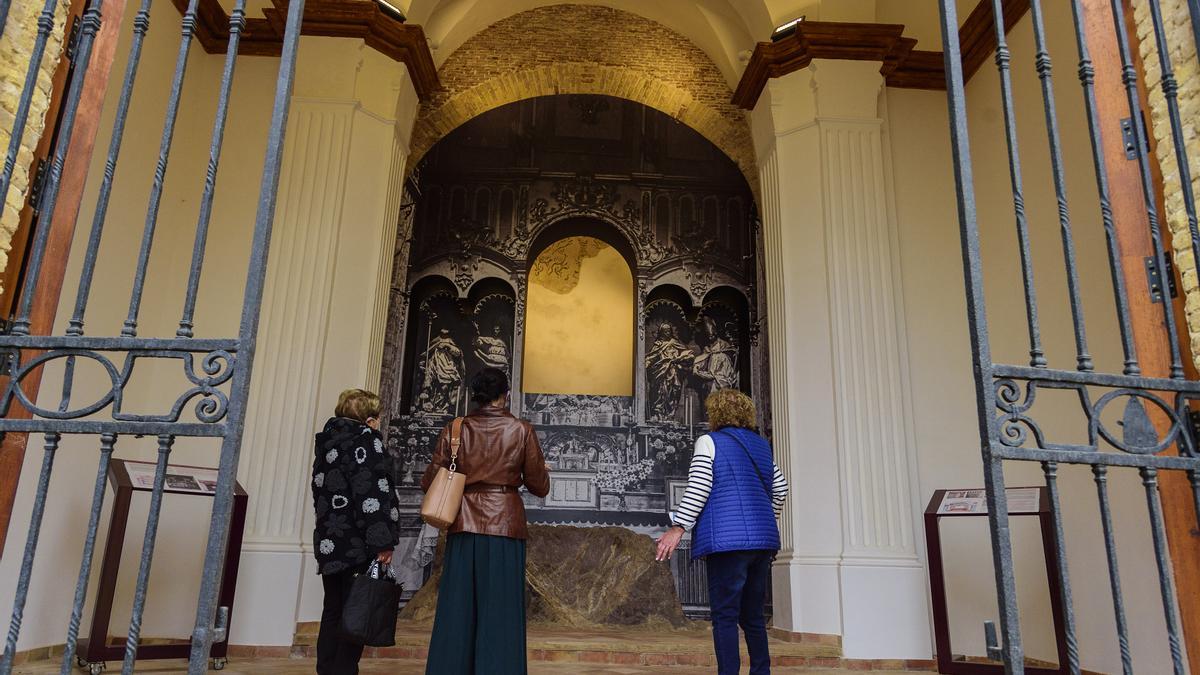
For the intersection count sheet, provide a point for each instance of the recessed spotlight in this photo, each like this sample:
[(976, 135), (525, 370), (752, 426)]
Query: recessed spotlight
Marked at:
[(391, 9), (786, 29)]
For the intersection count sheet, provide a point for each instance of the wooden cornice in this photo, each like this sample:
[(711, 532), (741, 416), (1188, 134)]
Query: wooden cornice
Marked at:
[(364, 19), (902, 66)]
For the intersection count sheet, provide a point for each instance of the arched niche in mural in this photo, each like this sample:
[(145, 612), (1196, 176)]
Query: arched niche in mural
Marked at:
[(693, 351), (451, 338), (580, 313)]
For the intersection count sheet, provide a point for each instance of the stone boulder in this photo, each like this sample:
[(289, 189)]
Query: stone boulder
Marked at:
[(583, 577)]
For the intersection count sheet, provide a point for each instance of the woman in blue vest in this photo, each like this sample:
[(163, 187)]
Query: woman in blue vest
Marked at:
[(734, 494)]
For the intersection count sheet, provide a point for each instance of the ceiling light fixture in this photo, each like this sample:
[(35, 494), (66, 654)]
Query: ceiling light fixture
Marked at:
[(786, 29), (391, 9)]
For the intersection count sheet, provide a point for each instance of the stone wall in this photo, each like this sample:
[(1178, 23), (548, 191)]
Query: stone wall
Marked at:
[(558, 50), (1177, 22), (15, 47)]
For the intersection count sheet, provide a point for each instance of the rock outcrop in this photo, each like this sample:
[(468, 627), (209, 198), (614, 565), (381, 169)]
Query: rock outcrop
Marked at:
[(583, 577)]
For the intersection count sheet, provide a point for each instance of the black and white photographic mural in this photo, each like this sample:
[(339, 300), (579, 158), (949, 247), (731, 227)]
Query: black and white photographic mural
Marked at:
[(605, 261)]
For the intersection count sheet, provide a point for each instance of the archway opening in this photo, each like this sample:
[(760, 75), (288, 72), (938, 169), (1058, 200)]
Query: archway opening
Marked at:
[(579, 321)]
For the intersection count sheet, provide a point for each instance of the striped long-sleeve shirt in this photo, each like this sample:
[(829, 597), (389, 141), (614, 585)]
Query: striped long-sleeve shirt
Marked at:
[(700, 480)]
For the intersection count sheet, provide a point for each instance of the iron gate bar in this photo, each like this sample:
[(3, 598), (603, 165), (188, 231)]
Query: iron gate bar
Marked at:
[(1163, 558), (160, 171), (237, 21), (108, 444), (1114, 381), (131, 345), (90, 25), (1087, 80), (985, 397), (21, 118), (1100, 474), (4, 7), (50, 447), (1170, 90), (1044, 66), (1050, 470), (141, 26), (143, 578), (231, 446), (1037, 355), (1129, 77)]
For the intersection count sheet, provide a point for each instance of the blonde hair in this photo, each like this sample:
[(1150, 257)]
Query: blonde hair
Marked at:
[(358, 404), (730, 408)]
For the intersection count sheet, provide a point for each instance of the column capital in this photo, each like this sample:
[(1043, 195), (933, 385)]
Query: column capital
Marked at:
[(826, 89), (347, 70)]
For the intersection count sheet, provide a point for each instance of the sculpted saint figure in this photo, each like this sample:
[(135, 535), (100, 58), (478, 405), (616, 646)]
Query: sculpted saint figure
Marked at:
[(492, 350), (442, 369), (716, 366), (667, 364)]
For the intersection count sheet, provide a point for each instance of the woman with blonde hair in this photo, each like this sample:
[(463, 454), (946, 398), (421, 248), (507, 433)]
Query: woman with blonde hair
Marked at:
[(356, 516), (734, 495)]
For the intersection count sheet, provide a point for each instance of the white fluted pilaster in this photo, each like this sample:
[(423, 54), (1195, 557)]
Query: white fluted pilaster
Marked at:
[(873, 432), (323, 312), (839, 366), (284, 390)]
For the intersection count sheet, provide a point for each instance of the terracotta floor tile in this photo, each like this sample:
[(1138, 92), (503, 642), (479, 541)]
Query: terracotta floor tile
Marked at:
[(409, 667)]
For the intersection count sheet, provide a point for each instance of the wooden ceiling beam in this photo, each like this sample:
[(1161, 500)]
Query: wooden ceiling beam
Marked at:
[(903, 66), (360, 19)]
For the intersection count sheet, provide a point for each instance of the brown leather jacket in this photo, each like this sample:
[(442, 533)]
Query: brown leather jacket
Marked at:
[(499, 454)]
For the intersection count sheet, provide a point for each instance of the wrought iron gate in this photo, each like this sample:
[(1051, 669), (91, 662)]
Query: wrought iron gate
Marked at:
[(1006, 392), (214, 406)]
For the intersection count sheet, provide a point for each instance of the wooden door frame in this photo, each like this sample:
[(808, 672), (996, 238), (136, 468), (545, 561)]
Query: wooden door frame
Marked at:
[(1149, 325), (61, 222)]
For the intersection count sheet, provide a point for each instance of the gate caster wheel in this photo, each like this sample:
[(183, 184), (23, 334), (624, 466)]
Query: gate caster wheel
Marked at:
[(81, 662), (95, 668), (219, 664)]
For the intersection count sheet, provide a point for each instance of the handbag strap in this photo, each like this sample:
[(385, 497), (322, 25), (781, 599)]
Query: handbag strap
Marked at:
[(761, 478), (455, 442)]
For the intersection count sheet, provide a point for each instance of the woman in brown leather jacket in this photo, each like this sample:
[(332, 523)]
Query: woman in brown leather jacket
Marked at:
[(480, 624)]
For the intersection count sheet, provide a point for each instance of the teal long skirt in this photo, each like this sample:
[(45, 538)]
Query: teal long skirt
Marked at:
[(480, 624)]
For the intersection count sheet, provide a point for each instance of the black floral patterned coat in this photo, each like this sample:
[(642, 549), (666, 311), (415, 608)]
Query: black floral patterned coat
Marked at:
[(352, 494)]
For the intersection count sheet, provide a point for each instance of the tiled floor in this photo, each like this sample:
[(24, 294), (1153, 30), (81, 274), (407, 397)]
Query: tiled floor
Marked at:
[(396, 667)]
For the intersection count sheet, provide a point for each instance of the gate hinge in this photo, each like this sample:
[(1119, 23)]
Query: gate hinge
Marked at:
[(1129, 139), (1155, 280), (6, 356), (39, 185), (1193, 427), (73, 40)]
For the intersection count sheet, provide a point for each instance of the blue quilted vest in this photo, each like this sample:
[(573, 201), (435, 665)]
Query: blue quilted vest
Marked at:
[(739, 515)]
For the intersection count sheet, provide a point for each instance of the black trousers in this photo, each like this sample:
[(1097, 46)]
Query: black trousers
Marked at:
[(480, 624), (335, 655)]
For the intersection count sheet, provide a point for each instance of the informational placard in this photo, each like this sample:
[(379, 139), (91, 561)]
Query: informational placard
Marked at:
[(178, 478), (1020, 500)]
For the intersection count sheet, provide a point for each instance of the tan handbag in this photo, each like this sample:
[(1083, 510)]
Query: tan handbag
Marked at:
[(444, 499)]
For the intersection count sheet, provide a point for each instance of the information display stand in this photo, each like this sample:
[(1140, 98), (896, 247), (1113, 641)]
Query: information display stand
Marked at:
[(127, 477), (1029, 501)]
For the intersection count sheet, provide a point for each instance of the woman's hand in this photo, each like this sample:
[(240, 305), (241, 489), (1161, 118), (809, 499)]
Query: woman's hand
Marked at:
[(385, 557), (668, 543)]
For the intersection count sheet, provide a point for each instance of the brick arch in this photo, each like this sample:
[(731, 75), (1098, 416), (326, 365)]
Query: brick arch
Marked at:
[(586, 49)]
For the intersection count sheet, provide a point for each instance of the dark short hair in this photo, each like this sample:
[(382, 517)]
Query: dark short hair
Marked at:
[(488, 385)]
